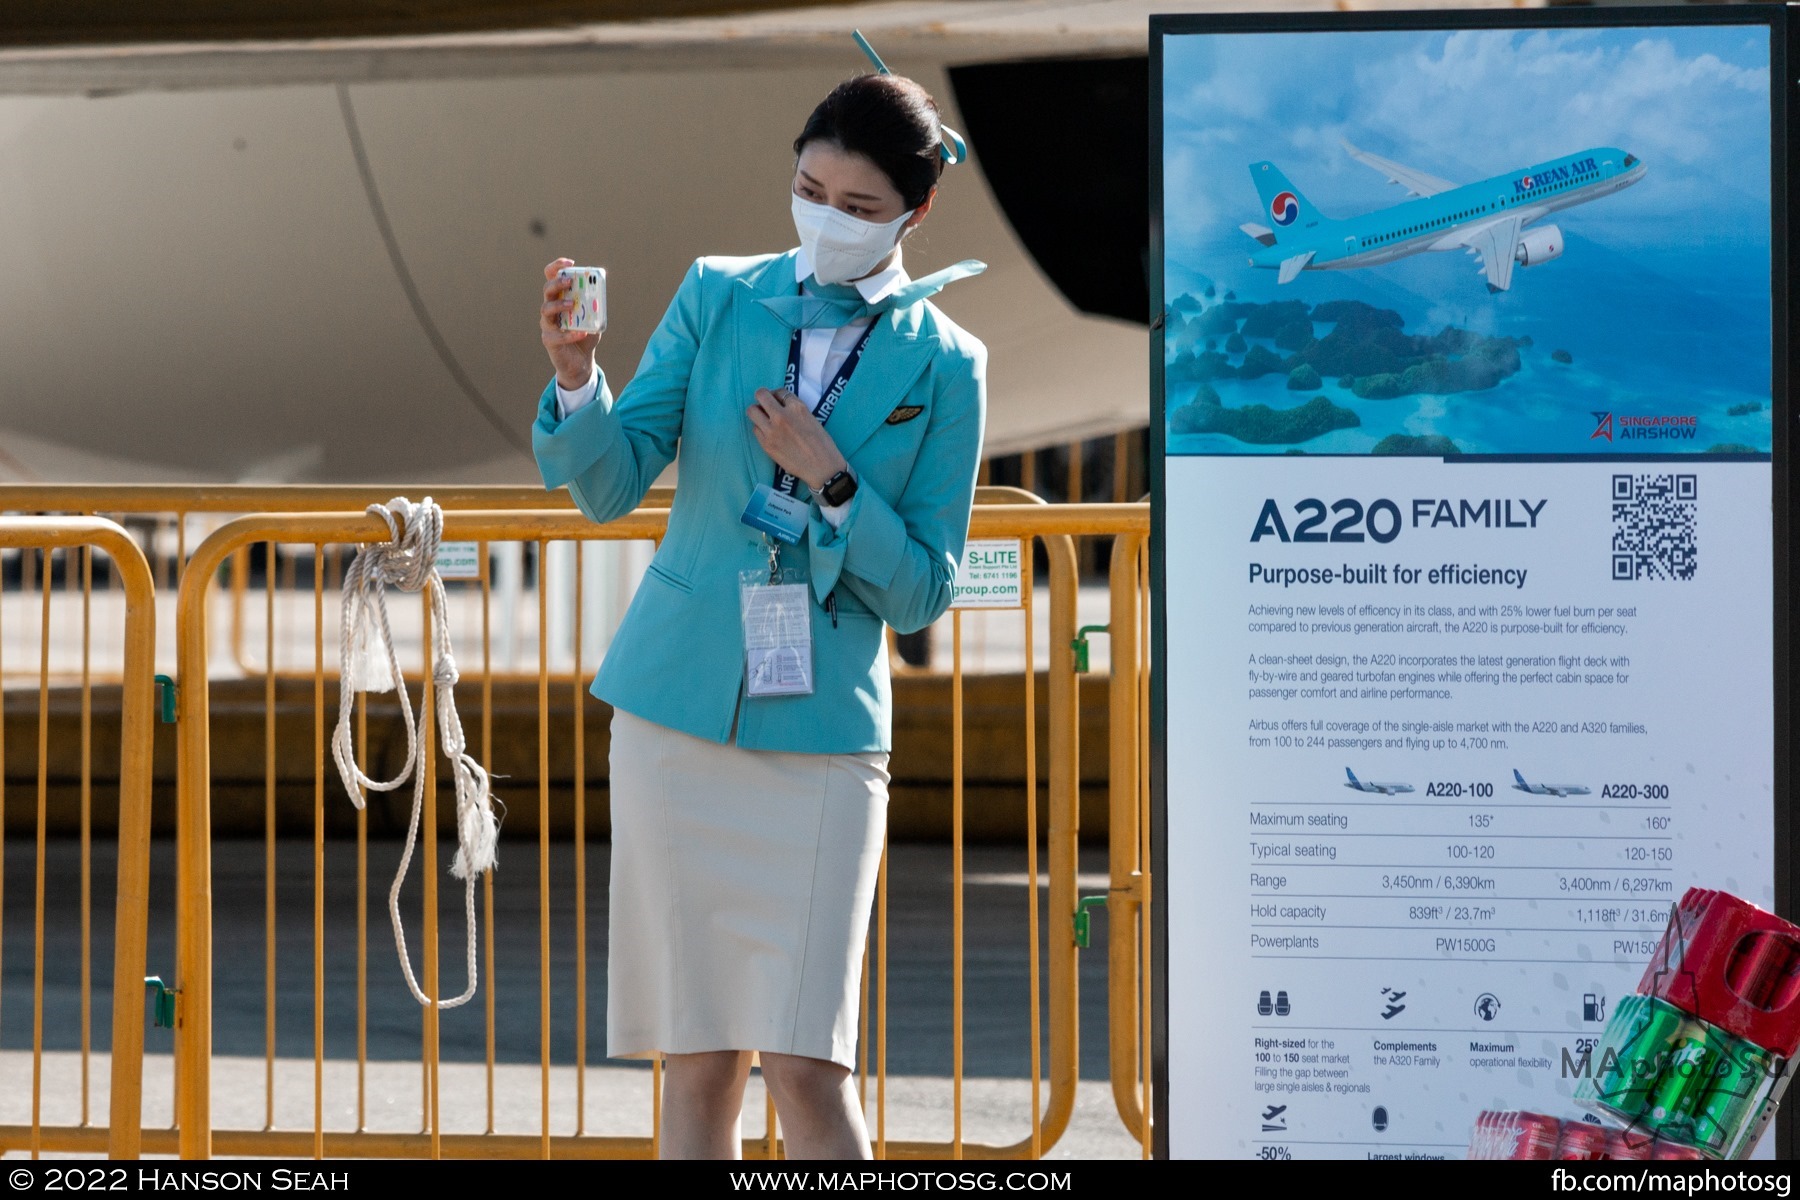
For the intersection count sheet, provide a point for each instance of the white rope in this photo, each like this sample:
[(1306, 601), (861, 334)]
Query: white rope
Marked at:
[(407, 560)]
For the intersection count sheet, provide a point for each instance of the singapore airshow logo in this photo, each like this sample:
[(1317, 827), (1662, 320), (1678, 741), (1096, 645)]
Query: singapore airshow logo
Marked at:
[(1285, 208), (1664, 426)]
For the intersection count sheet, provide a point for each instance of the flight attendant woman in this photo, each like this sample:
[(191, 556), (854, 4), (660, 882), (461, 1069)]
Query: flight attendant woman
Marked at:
[(829, 421)]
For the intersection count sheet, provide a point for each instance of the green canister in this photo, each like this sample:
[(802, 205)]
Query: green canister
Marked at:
[(1623, 1070), (1743, 1075), (1694, 1055)]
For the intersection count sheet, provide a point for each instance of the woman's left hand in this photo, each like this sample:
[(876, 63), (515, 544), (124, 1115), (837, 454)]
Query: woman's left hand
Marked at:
[(793, 437)]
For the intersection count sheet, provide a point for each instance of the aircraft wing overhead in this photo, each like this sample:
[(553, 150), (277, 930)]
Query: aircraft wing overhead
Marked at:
[(1416, 182), (1495, 244)]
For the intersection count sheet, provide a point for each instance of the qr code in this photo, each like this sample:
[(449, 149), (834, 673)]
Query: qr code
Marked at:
[(1653, 526)]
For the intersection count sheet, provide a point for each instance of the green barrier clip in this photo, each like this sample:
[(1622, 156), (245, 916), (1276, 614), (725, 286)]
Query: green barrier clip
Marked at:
[(163, 1003), (1080, 646), (1084, 919)]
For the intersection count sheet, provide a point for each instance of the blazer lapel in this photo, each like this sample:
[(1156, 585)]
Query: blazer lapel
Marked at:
[(762, 347), (889, 367)]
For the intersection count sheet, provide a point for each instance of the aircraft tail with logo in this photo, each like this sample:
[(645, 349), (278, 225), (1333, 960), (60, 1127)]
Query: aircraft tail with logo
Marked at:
[(1288, 211), (1282, 204)]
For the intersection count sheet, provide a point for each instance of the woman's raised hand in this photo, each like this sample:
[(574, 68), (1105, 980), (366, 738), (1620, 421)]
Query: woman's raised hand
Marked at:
[(788, 433), (571, 351)]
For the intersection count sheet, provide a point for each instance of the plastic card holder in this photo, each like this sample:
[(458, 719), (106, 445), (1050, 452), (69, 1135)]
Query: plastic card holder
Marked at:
[(777, 617)]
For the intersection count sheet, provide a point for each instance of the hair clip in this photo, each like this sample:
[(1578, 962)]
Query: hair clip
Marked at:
[(951, 147)]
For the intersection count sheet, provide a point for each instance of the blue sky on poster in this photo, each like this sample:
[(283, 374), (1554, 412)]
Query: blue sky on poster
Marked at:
[(1465, 105)]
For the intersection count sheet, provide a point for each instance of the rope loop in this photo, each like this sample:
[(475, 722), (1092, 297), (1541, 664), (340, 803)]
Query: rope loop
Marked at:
[(369, 663)]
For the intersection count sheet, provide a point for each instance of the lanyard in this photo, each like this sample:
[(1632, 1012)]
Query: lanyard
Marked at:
[(784, 482)]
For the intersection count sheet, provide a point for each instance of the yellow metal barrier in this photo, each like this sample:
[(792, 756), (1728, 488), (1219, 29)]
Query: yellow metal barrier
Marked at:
[(1129, 885), (121, 1139), (1055, 526)]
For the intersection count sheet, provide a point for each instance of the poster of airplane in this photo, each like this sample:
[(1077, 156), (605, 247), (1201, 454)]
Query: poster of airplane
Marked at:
[(1486, 219), (1477, 242)]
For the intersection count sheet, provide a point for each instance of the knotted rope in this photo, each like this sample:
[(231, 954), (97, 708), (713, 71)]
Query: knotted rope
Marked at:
[(407, 561)]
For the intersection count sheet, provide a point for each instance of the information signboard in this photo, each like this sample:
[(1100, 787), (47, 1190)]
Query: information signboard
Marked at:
[(1469, 469)]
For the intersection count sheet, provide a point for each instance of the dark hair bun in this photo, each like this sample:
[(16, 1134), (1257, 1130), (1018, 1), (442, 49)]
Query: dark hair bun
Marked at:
[(889, 120)]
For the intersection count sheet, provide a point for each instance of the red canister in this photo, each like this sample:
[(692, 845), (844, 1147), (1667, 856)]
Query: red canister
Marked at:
[(1627, 1143), (1515, 1135), (1582, 1142)]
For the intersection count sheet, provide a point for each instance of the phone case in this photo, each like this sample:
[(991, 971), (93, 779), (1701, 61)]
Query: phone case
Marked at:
[(589, 293)]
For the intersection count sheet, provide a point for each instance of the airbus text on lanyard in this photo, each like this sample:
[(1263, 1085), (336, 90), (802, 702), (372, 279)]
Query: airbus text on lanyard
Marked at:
[(776, 609), (773, 508)]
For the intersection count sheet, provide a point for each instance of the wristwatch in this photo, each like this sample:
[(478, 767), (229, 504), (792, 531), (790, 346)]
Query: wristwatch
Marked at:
[(838, 489)]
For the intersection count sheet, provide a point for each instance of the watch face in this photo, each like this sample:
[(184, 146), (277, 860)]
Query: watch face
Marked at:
[(839, 488)]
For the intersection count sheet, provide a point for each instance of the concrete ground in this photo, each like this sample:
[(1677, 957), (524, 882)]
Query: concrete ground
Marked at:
[(996, 1089)]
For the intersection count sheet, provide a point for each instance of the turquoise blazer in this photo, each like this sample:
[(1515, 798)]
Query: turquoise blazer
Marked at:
[(678, 659)]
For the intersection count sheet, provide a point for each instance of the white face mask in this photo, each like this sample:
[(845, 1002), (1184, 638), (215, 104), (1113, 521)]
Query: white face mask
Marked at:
[(843, 247)]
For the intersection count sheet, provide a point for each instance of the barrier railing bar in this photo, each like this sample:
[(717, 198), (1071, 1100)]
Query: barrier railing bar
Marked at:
[(656, 1090), (1065, 828), (289, 498), (43, 831), (165, 574), (956, 885), (1144, 859), (487, 880), (87, 822), (318, 853), (1033, 955), (3, 762), (362, 917), (543, 597), (348, 1144), (1126, 871), (580, 864), (270, 962)]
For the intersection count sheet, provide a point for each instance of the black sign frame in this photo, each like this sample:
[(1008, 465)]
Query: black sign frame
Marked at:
[(1784, 51)]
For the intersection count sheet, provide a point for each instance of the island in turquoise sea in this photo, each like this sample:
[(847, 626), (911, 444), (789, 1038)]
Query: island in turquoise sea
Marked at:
[(1367, 351)]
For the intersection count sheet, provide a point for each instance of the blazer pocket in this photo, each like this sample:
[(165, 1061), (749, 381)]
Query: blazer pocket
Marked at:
[(669, 577)]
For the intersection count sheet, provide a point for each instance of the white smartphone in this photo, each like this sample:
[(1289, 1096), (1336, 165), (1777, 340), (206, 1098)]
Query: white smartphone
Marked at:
[(588, 289)]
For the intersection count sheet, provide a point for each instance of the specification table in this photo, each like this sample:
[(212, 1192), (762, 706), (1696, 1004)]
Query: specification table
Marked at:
[(1424, 837)]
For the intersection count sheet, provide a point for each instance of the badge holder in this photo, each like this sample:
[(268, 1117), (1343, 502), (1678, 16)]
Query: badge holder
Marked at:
[(776, 606)]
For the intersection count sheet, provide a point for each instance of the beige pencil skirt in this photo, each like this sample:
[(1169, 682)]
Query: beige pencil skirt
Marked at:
[(741, 888)]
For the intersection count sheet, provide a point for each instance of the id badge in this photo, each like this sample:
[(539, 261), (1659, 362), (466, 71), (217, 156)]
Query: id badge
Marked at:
[(777, 514), (777, 634)]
